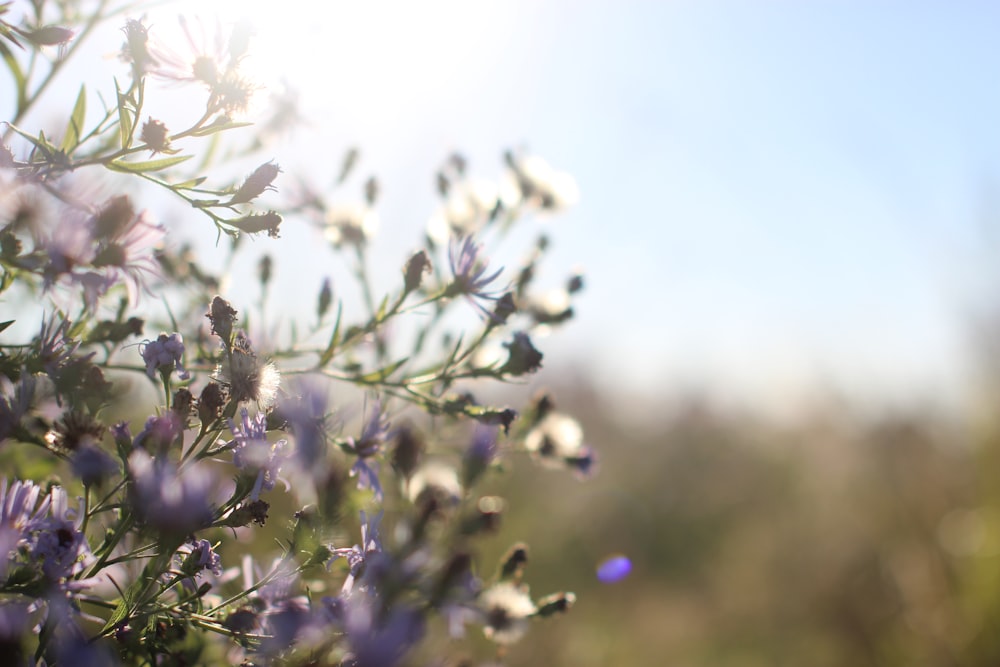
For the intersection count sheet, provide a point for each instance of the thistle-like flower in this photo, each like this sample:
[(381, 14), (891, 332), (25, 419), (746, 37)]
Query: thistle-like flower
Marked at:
[(469, 271), (248, 377), (165, 353), (373, 436), (506, 609)]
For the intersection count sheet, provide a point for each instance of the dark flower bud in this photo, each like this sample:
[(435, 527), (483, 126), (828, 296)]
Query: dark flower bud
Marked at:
[(458, 162), (183, 405), (222, 317), (156, 136), (575, 283), (407, 449), (512, 565), (211, 403), (325, 299), (241, 621), (504, 309), (557, 603), (264, 270), (350, 159), (114, 218), (256, 223), (414, 271), (95, 388), (541, 405), (523, 357), (443, 184), (256, 183)]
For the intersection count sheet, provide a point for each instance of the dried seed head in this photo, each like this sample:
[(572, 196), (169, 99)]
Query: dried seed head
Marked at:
[(256, 184), (155, 135)]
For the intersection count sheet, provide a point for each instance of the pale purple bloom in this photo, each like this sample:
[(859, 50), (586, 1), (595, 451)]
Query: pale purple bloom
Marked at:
[(158, 433), (481, 452), (253, 453), (469, 271), (377, 638), (92, 464), (168, 499), (199, 556), (56, 540), (358, 556), (306, 415), (130, 254), (164, 352), (373, 436)]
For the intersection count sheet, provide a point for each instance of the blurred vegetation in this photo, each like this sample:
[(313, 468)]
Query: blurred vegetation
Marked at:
[(844, 538)]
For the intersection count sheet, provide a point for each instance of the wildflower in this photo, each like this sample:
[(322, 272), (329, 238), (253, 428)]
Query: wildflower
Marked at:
[(376, 637), (92, 464), (468, 206), (159, 433), (480, 453), (373, 436), (248, 377), (168, 499), (350, 224), (435, 480), (505, 612), (255, 223), (257, 182), (522, 356), (198, 557), (468, 270), (413, 272), (557, 441), (129, 253), (164, 354), (74, 430), (359, 555), (155, 135), (222, 316), (135, 50), (56, 540), (540, 184), (211, 402), (253, 453), (306, 415)]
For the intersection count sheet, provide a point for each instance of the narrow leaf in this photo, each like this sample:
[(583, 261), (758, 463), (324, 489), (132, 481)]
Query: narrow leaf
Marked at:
[(383, 373), (124, 120), (327, 355), (4, 325), (74, 130), (147, 165), (219, 125)]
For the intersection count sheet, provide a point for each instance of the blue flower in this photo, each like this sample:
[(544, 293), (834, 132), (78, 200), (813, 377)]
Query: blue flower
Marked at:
[(469, 270), (373, 436), (359, 556), (166, 352)]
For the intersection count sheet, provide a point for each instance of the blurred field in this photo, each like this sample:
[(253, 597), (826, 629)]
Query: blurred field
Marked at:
[(840, 539)]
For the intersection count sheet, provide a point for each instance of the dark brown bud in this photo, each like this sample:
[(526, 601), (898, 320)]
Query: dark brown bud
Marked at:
[(264, 269), (256, 183), (325, 299), (211, 403), (407, 449), (51, 35), (222, 316), (113, 219), (504, 309), (414, 271), (371, 191), (156, 136), (557, 603), (512, 565), (523, 357), (258, 222)]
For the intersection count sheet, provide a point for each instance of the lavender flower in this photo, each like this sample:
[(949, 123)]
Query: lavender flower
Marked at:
[(171, 500), (469, 271), (377, 638), (198, 556), (373, 436), (56, 541), (254, 454), (359, 555), (306, 415), (166, 353), (480, 453)]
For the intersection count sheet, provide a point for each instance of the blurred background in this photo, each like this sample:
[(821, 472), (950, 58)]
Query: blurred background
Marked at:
[(786, 351)]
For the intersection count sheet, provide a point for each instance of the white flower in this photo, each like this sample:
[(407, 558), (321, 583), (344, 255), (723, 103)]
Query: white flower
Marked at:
[(506, 609)]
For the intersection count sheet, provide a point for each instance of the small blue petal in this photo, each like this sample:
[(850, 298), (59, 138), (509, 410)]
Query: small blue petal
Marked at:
[(614, 568)]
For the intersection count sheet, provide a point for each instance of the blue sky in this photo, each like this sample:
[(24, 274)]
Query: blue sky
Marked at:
[(774, 194)]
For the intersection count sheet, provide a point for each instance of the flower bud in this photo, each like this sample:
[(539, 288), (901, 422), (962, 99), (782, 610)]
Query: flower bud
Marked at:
[(257, 182), (51, 35), (524, 358), (414, 271), (222, 317), (155, 135), (211, 403), (557, 603), (258, 222), (325, 299), (512, 565)]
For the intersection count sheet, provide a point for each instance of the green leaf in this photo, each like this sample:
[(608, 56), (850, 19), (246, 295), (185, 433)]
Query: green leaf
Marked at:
[(147, 165), (382, 374), (327, 355), (124, 120), (219, 125), (75, 128), (193, 183), (20, 81)]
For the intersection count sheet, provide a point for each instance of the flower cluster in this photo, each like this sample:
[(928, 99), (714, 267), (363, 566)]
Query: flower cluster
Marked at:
[(144, 526)]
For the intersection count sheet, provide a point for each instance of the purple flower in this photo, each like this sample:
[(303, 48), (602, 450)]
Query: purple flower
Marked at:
[(199, 556), (306, 415), (377, 638), (359, 555), (373, 436), (56, 540), (480, 453), (15, 403), (253, 453), (158, 433), (168, 499), (469, 270), (166, 352), (92, 464)]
